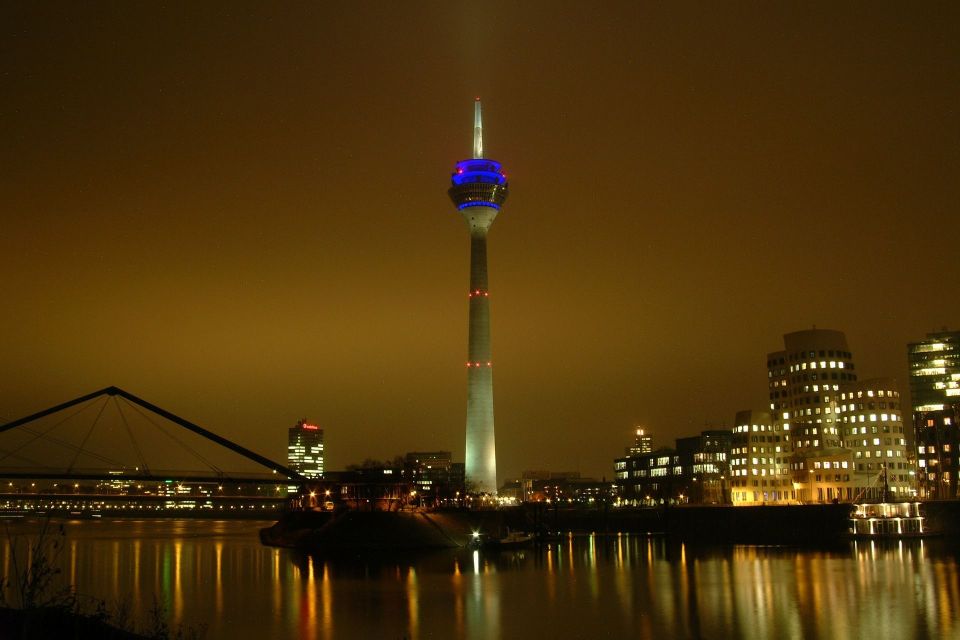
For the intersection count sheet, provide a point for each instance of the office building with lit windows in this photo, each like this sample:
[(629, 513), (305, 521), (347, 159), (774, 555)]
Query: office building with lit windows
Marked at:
[(759, 461), (935, 393), (804, 381), (873, 433), (704, 460), (436, 476), (828, 437), (305, 449), (650, 478), (695, 471), (642, 443)]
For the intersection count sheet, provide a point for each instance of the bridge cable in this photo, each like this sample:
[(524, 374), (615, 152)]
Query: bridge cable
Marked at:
[(133, 441), (212, 466), (72, 447), (87, 437), (44, 434), (25, 459)]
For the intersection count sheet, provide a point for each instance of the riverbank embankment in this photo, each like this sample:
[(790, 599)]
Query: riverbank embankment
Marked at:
[(376, 530)]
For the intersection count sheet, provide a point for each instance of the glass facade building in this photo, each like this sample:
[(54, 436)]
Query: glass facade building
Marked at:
[(305, 449), (935, 394)]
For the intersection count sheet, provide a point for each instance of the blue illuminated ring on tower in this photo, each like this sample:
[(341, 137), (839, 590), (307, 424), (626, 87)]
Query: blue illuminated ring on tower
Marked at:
[(478, 170), (478, 183)]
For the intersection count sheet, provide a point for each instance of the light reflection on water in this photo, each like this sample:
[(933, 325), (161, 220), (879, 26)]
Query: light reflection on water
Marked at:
[(216, 573)]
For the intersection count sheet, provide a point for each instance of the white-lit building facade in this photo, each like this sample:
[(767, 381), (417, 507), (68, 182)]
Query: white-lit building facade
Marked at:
[(828, 437), (759, 467), (873, 431)]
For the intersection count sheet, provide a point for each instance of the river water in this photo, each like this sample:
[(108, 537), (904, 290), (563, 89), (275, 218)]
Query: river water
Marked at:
[(215, 574)]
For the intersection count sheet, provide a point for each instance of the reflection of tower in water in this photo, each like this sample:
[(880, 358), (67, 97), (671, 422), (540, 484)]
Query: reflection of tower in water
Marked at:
[(479, 189)]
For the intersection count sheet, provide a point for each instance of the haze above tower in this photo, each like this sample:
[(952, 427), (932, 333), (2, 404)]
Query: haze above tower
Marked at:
[(479, 190)]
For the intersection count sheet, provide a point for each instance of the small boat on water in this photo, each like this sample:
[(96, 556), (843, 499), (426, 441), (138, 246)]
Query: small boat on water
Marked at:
[(513, 540)]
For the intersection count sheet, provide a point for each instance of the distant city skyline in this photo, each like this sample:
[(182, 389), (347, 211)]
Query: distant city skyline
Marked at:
[(240, 214)]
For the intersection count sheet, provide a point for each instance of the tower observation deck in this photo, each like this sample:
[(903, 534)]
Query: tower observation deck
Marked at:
[(479, 190)]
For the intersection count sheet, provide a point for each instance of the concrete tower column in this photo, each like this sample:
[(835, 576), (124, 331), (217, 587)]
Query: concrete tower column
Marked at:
[(479, 189), (481, 448)]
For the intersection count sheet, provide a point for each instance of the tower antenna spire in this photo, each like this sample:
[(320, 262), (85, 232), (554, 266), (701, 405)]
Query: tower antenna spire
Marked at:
[(477, 129)]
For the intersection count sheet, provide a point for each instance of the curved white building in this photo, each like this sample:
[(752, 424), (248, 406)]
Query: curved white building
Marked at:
[(872, 423)]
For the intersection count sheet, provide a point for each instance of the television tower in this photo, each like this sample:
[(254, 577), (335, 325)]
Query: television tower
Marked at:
[(479, 189)]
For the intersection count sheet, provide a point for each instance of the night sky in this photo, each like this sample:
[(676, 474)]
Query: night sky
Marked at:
[(239, 212)]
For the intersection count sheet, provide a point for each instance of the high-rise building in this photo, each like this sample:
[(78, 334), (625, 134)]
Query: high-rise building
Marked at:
[(305, 449), (642, 443), (935, 395), (805, 381), (479, 190)]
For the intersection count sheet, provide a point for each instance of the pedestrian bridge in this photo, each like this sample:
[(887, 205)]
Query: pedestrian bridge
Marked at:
[(122, 449)]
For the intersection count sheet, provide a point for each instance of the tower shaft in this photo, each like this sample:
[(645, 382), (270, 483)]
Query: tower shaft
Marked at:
[(481, 449)]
